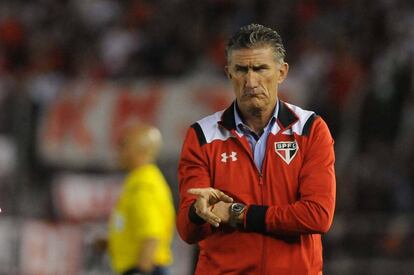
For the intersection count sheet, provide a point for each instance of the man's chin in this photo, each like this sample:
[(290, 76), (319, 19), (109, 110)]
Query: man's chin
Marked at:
[(255, 109), (254, 106), (255, 103)]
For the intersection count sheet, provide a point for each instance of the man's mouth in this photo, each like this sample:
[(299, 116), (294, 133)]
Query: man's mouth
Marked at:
[(252, 94)]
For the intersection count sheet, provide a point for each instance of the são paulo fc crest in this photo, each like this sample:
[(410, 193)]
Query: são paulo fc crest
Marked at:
[(286, 150)]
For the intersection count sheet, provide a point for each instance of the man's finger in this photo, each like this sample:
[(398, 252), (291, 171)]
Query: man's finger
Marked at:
[(220, 196), (204, 212), (201, 206), (212, 219), (208, 216), (195, 191), (215, 224), (211, 216), (225, 198)]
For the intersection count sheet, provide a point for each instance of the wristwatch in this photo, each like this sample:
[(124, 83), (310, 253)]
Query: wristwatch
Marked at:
[(235, 210)]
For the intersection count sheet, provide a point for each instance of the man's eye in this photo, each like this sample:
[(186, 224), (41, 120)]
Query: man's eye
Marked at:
[(241, 69), (259, 69)]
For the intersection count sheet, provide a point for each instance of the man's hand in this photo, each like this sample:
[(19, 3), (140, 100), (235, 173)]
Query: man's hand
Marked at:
[(222, 210), (207, 197)]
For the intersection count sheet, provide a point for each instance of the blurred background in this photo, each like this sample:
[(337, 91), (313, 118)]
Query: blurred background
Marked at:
[(74, 72)]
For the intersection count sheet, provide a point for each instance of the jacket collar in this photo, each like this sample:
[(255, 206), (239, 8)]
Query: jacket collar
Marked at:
[(227, 118), (286, 117)]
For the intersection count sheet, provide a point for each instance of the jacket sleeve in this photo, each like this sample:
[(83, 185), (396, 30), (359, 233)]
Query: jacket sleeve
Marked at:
[(193, 172), (313, 211)]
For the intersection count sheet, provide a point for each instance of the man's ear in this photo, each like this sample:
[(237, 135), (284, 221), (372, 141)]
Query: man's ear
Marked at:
[(283, 71), (226, 69)]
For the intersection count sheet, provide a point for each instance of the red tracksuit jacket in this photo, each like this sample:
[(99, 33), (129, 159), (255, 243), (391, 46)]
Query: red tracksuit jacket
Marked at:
[(290, 202)]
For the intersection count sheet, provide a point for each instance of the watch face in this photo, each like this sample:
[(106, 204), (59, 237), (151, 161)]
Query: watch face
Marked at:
[(237, 207)]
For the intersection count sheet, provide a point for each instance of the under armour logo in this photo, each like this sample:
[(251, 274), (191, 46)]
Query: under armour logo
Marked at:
[(233, 156)]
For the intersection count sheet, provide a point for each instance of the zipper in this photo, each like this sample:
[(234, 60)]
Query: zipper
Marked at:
[(261, 185), (263, 261), (246, 147)]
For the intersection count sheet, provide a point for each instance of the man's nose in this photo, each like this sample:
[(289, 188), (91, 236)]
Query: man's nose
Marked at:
[(251, 79)]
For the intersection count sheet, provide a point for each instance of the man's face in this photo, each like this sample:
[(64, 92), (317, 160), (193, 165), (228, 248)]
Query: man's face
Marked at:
[(255, 74)]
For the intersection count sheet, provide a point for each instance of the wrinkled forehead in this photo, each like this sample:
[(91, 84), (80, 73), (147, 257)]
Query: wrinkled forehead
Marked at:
[(252, 56)]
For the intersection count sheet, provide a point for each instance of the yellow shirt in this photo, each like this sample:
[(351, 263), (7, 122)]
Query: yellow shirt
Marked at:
[(144, 210)]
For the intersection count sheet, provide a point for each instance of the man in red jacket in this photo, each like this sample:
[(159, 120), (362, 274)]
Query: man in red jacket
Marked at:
[(257, 180)]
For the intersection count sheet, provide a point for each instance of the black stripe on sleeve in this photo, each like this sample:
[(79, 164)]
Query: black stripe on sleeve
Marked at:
[(308, 125), (256, 218), (192, 215), (200, 135)]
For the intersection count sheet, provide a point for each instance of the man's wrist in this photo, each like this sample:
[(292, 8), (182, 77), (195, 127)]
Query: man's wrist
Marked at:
[(240, 218), (237, 212)]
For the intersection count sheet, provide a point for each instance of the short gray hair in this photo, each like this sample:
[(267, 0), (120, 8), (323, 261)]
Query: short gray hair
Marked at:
[(255, 35)]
